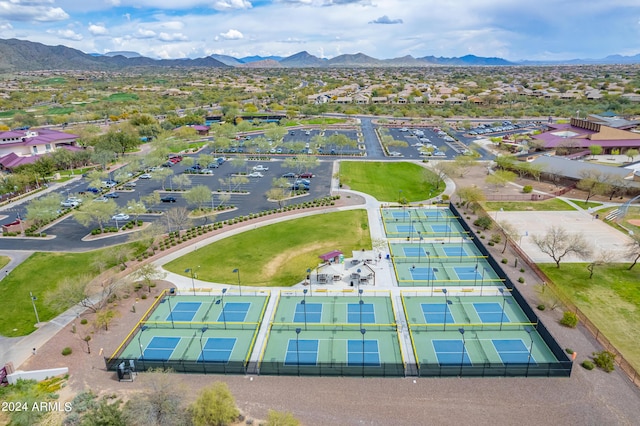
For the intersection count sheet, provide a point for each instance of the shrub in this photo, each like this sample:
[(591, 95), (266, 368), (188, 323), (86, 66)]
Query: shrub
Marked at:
[(522, 270), (569, 319), (496, 238), (605, 360), (483, 222), (587, 365), (504, 260), (66, 351), (527, 189), (83, 321), (521, 280), (541, 307), (569, 351), (144, 296)]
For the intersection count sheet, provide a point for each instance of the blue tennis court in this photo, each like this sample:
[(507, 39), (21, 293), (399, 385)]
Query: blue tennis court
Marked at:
[(512, 351), (406, 228), (455, 251), (363, 352), (308, 312), (451, 352), (184, 311), (400, 215), (414, 251), (418, 274), (491, 312), (217, 349), (440, 228), (432, 214), (234, 311), (437, 313), (302, 352), (160, 348), (361, 312), (467, 273)]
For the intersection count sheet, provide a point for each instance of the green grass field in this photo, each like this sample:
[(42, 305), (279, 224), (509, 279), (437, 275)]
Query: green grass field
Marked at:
[(385, 180), (40, 273), (590, 204), (279, 254), (553, 204), (60, 111), (322, 120), (9, 113), (122, 97), (610, 299)]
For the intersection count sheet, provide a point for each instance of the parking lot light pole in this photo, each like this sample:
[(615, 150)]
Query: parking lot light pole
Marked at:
[(237, 271)]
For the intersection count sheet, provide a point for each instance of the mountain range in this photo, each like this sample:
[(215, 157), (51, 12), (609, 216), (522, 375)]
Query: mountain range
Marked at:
[(30, 56)]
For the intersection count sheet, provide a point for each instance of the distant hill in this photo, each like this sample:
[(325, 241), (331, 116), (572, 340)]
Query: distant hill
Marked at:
[(125, 53), (302, 60), (29, 56)]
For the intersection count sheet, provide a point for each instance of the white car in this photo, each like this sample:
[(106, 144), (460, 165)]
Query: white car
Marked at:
[(130, 185), (101, 199), (255, 175), (145, 176), (260, 168), (69, 203), (120, 216)]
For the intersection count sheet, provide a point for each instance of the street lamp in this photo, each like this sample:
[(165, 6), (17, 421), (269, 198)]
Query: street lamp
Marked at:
[(193, 283), (203, 329), (298, 330), (446, 308), (464, 347), (33, 301), (400, 196), (309, 279), (529, 330), (142, 329), (239, 287), (363, 331)]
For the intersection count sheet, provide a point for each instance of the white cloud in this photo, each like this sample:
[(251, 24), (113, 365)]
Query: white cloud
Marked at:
[(231, 4), (142, 33), (97, 29), (232, 35), (172, 37), (172, 25), (29, 11), (5, 26), (386, 20), (66, 34)]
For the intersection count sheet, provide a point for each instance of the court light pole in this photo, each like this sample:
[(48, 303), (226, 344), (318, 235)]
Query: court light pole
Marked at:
[(171, 312), (309, 279), (504, 299), (304, 307), (193, 283), (142, 329), (224, 317), (360, 294), (446, 308), (237, 271), (298, 330), (400, 196), (428, 253), (475, 275), (464, 347), (363, 332), (433, 276), (482, 282), (461, 242), (202, 330), (419, 245), (529, 331), (361, 303)]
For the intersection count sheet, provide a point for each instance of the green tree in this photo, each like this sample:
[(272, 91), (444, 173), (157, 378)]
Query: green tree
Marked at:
[(148, 273), (162, 175), (592, 182), (198, 195), (105, 317), (631, 153), (181, 181), (470, 196), (44, 209), (279, 418), (98, 213), (215, 406), (595, 150)]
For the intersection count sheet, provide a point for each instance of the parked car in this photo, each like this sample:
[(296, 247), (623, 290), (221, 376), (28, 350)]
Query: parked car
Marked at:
[(130, 185), (101, 199), (120, 216), (303, 182), (206, 172), (260, 168), (112, 195), (69, 203), (213, 165), (305, 175), (92, 189), (255, 175), (289, 175), (145, 176), (168, 199)]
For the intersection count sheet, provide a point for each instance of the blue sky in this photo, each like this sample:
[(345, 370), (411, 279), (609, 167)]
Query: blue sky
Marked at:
[(511, 29)]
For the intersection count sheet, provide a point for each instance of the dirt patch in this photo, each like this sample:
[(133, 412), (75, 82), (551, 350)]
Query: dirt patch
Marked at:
[(278, 261), (634, 222)]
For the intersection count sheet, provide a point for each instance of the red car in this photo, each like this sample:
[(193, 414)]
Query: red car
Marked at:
[(305, 175)]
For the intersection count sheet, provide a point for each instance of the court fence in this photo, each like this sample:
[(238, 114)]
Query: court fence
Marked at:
[(552, 369), (179, 366), (331, 369), (214, 325), (283, 326)]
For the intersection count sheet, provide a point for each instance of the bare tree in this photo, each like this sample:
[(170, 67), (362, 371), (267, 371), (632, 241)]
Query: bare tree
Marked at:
[(471, 196), (509, 231), (148, 273), (177, 218), (603, 258), (557, 243), (633, 250), (81, 291)]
